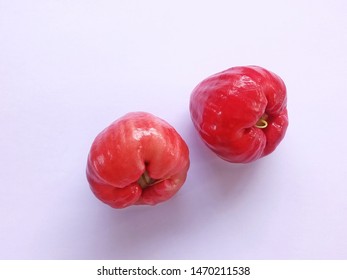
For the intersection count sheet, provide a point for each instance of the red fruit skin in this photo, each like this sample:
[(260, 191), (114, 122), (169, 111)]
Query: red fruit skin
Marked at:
[(226, 107), (135, 144)]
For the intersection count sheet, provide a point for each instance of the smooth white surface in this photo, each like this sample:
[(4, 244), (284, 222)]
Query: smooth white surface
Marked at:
[(69, 68)]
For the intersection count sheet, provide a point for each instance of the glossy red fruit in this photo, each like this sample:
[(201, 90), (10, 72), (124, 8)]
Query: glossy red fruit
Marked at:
[(240, 113), (138, 159)]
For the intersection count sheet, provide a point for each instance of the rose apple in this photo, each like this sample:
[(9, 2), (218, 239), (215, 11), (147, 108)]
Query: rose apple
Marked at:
[(138, 159), (240, 113)]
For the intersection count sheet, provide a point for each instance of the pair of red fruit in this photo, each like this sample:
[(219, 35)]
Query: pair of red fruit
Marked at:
[(240, 114)]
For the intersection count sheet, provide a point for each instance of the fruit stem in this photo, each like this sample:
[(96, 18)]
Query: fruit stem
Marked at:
[(262, 123), (145, 180)]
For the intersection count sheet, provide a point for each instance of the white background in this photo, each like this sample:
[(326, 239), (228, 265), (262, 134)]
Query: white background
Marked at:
[(69, 68)]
